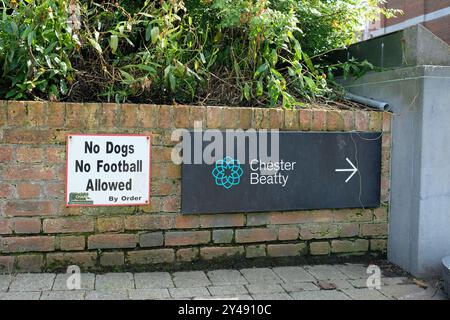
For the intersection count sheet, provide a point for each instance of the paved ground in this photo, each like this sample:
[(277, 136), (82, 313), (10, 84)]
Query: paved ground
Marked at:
[(298, 283)]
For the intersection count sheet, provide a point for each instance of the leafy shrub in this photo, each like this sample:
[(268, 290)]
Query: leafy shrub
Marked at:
[(251, 52)]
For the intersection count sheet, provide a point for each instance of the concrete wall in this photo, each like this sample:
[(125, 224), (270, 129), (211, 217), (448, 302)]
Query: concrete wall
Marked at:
[(419, 224)]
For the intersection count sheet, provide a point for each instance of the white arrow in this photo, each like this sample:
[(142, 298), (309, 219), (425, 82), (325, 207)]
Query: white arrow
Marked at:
[(353, 170)]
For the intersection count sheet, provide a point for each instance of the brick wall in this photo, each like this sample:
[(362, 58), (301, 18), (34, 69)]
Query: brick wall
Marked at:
[(415, 8), (38, 232)]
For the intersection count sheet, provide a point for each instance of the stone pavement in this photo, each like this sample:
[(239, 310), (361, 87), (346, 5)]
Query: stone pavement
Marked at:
[(317, 282)]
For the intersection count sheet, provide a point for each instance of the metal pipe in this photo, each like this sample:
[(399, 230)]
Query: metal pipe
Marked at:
[(371, 103)]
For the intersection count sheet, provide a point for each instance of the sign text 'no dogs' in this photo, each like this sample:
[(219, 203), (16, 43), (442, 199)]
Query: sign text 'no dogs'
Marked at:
[(108, 170)]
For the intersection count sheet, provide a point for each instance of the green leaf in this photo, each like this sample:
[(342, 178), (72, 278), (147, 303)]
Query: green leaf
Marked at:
[(155, 34), (172, 82), (96, 45), (246, 92), (114, 42)]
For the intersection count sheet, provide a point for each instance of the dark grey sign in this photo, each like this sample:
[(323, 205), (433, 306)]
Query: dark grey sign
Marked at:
[(314, 170)]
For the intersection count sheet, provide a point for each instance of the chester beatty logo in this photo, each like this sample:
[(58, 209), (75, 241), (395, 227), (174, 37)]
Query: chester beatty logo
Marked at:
[(228, 172)]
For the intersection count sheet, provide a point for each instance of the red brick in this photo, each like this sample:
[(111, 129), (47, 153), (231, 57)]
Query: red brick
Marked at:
[(171, 204), (6, 226), (286, 250), (255, 235), (148, 222), (36, 111), (187, 221), (288, 233), (68, 225), (65, 259), (261, 118), (387, 121), (181, 116), (28, 190), (214, 117), (146, 115), (56, 155), (30, 262), (165, 117), (28, 172), (335, 122), (381, 214), (6, 264), (245, 118), (55, 189), (291, 120), (17, 115), (348, 117), (27, 136), (306, 117), (56, 114), (378, 245), (6, 154), (348, 230), (160, 154), (183, 238), (151, 256), (222, 220), (26, 244), (361, 120), (347, 246), (74, 115), (231, 118), (187, 254), (352, 215), (319, 248), (208, 253), (110, 224), (374, 229), (6, 190), (109, 115), (71, 243), (112, 241), (255, 251), (319, 121), (112, 259), (27, 225), (301, 217), (129, 115), (276, 118), (29, 208), (173, 171), (375, 121)]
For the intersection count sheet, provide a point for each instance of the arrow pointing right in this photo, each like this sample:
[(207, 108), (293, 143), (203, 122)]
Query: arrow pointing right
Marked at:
[(353, 170)]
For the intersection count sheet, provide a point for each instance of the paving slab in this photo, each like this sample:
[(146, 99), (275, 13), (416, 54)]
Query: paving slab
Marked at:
[(272, 296), (299, 286), (365, 294), (319, 295), (428, 294), (148, 294), (5, 280), (32, 282), (325, 272), (265, 288), (261, 275), (340, 283), (359, 283), (191, 279), (189, 292), (353, 271), (63, 295), (399, 291), (227, 290), (114, 281), (151, 280), (17, 295), (293, 274), (395, 280), (106, 295), (87, 281), (226, 277)]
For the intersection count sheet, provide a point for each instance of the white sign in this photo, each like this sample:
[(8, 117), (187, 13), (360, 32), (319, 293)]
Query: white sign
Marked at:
[(108, 170)]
